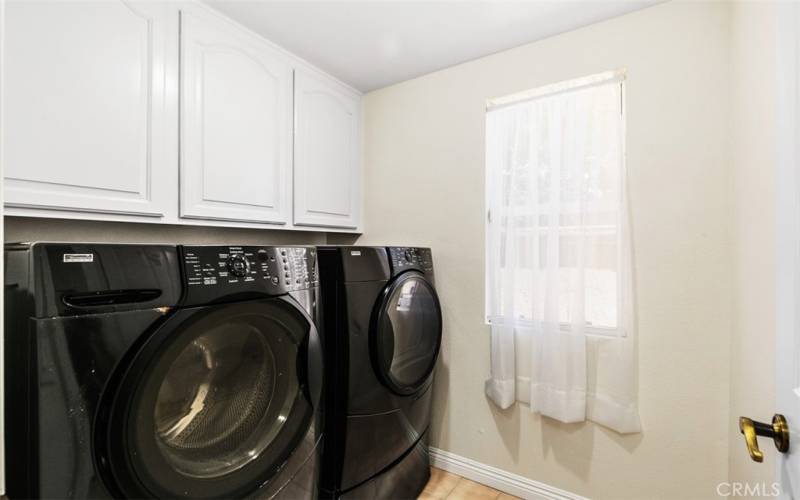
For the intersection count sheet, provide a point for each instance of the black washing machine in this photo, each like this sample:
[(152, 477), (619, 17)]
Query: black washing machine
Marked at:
[(382, 328), (147, 371)]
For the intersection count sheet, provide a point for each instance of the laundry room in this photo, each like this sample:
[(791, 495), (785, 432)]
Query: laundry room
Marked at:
[(400, 249)]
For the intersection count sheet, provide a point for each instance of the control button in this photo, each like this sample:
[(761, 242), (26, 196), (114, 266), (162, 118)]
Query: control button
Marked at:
[(409, 255), (238, 265), (262, 255)]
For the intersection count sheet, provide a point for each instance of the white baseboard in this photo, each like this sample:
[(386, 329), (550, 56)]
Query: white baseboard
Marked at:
[(498, 479)]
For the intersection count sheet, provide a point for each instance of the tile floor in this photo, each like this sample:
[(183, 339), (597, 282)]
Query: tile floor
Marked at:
[(452, 487)]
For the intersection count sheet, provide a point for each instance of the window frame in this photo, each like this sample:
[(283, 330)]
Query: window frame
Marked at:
[(620, 331)]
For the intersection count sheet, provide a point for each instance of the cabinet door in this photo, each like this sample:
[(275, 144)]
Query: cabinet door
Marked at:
[(235, 122), (327, 188), (90, 118)]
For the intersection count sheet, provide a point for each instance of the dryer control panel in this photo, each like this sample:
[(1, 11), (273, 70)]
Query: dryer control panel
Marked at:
[(213, 272), (406, 258)]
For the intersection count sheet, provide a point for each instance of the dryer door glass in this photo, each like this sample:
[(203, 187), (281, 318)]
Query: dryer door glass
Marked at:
[(408, 333)]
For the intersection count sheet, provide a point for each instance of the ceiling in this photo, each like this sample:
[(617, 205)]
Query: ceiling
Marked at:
[(371, 45)]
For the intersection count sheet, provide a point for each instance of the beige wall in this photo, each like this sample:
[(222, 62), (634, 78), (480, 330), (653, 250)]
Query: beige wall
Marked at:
[(753, 37), (424, 180)]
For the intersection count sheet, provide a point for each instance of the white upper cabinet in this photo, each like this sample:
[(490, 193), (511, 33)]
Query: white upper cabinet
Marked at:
[(236, 112), (169, 112), (89, 123), (327, 175)]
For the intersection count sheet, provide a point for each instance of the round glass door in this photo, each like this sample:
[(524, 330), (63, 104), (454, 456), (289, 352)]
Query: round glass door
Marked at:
[(217, 401), (219, 405), (407, 333)]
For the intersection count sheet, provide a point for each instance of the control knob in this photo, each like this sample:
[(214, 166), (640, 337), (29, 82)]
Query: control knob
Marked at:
[(238, 265)]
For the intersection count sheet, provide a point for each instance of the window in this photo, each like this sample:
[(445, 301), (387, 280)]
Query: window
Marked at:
[(555, 177)]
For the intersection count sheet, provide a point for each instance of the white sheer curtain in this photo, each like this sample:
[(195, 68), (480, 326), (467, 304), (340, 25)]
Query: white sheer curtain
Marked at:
[(559, 291)]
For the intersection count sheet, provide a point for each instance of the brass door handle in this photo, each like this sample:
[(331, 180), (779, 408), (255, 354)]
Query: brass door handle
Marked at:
[(778, 431)]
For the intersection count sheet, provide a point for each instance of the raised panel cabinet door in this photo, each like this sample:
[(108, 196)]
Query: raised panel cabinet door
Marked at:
[(235, 122), (327, 188), (90, 106)]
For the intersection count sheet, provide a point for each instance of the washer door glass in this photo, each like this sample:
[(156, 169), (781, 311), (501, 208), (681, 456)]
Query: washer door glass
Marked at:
[(408, 333), (220, 405), (219, 399)]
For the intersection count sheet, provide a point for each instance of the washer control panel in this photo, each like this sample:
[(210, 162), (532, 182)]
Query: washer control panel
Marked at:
[(405, 258), (212, 272)]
